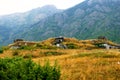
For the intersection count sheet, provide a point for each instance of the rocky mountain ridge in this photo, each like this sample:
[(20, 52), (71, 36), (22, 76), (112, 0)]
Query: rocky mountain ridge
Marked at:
[(87, 20), (13, 24)]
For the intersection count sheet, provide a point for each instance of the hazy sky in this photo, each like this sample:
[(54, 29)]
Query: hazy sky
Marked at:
[(12, 6)]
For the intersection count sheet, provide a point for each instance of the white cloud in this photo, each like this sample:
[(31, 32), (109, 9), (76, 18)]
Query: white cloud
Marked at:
[(12, 6)]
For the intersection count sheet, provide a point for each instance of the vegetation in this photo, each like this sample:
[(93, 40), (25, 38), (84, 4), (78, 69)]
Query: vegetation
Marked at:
[(26, 48), (84, 64), (75, 64), (83, 60), (15, 53), (72, 46), (99, 18), (42, 54), (97, 55), (19, 69), (45, 46), (49, 53), (1, 50)]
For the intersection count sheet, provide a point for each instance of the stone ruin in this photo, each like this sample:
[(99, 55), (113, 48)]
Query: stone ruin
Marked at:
[(58, 42), (16, 40)]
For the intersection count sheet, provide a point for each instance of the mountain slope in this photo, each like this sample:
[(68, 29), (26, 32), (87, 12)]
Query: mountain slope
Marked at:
[(90, 19), (14, 24)]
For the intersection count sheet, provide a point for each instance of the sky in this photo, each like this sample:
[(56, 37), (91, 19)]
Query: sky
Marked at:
[(13, 6)]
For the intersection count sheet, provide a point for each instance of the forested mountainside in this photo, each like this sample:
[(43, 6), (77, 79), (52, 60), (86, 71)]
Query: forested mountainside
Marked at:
[(11, 26), (89, 19)]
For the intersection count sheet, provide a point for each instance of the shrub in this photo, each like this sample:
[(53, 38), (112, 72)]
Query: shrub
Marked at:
[(26, 47), (99, 45), (49, 53), (1, 50), (27, 55), (48, 73), (71, 46), (19, 69), (15, 53)]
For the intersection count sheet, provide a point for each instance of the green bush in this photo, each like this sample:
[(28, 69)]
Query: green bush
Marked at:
[(19, 69), (26, 47), (1, 50), (49, 53), (15, 53), (72, 46), (99, 45), (27, 56)]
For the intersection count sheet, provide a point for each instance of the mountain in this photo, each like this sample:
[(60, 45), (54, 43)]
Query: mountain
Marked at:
[(89, 19), (14, 24)]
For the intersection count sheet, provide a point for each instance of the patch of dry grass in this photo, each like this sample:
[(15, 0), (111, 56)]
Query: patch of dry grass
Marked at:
[(76, 64), (86, 67), (76, 67)]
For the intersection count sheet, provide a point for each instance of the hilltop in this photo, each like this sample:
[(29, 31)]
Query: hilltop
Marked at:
[(63, 43)]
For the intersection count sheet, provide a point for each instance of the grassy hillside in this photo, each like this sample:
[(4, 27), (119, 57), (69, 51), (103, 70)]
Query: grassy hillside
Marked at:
[(97, 64), (77, 63), (68, 43)]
